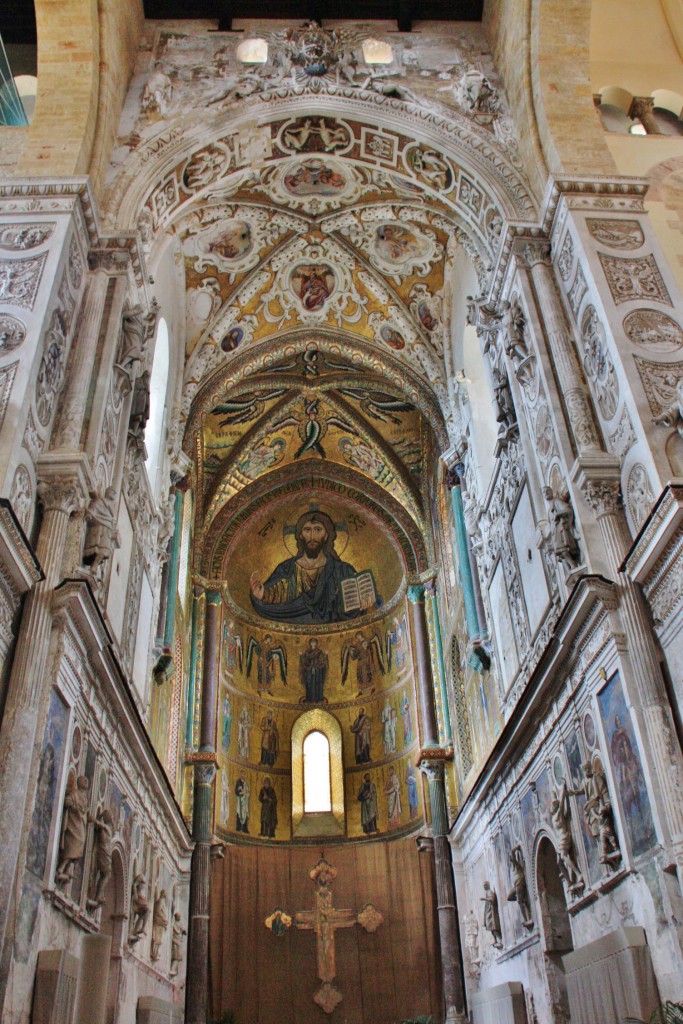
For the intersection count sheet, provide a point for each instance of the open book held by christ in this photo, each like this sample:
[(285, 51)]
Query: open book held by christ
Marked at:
[(358, 592)]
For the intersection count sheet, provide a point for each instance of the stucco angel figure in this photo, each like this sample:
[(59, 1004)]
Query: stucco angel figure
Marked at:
[(369, 658), (491, 915), (561, 518), (159, 923), (560, 812), (102, 849)]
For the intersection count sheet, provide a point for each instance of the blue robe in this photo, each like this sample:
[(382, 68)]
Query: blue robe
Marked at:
[(321, 604)]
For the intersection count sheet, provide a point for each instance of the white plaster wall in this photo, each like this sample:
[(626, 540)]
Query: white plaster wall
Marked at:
[(505, 637), (142, 643), (118, 583), (536, 594)]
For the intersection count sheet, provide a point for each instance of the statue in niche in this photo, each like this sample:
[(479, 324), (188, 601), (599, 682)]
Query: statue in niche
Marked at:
[(562, 527), (176, 943), (519, 893), (515, 335), (101, 537), (313, 666), (597, 811), (102, 855), (139, 412), (505, 407), (491, 915), (314, 585), (139, 908), (472, 938), (159, 923), (560, 813), (74, 827)]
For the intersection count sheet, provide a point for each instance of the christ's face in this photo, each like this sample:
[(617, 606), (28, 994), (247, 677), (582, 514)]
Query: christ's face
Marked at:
[(313, 536)]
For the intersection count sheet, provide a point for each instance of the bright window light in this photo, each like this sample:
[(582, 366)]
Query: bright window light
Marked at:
[(253, 51), (377, 52), (317, 786)]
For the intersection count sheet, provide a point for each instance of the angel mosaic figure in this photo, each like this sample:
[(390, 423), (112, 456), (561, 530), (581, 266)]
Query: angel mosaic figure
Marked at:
[(269, 653), (368, 656)]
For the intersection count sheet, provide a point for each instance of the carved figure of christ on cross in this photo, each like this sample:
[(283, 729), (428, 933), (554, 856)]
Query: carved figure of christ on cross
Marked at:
[(324, 921)]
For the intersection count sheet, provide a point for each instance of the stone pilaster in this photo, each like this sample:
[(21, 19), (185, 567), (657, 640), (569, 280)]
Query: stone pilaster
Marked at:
[(478, 658), (63, 488), (434, 618), (432, 767), (643, 678)]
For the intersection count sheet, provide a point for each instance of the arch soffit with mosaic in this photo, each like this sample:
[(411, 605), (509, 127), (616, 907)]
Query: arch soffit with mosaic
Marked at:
[(473, 150), (362, 356), (340, 482), (223, 489)]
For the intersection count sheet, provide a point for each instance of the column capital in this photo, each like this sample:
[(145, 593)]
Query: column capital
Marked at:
[(598, 475), (65, 481), (431, 761), (532, 251)]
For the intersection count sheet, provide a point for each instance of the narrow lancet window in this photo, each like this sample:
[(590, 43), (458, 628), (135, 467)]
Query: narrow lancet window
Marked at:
[(317, 784)]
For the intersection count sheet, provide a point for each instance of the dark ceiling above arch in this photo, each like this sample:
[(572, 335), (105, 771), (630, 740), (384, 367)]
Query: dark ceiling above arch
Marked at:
[(403, 12)]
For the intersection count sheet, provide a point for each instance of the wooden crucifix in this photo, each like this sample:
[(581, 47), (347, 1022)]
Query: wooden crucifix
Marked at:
[(324, 921)]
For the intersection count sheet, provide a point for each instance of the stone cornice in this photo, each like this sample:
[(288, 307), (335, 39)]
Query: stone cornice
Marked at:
[(656, 533), (16, 553)]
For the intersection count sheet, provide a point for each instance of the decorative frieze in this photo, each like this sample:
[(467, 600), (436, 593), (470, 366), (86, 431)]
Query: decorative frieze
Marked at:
[(633, 279)]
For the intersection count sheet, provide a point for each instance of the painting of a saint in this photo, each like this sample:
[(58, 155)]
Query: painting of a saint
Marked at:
[(427, 318), (392, 337), (313, 665), (307, 588), (233, 241), (396, 243), (367, 794), (313, 283), (361, 730), (232, 339), (392, 791)]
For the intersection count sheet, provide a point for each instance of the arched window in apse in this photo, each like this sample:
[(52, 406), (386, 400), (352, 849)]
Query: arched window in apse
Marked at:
[(317, 783), (157, 401)]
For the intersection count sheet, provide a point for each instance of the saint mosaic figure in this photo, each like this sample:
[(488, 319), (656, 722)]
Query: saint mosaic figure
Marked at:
[(269, 654), (232, 648), (313, 665), (244, 733), (268, 800), (270, 740), (361, 729), (389, 717), (307, 588), (407, 720), (392, 791), (411, 783), (74, 828), (242, 796), (227, 722), (491, 915), (367, 794)]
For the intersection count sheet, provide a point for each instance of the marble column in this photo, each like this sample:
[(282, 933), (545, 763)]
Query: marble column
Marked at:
[(432, 767), (192, 671), (431, 596), (642, 107), (425, 678), (204, 774), (64, 485), (644, 683), (478, 658), (173, 566)]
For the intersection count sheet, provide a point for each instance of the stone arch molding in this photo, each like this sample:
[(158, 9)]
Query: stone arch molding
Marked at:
[(478, 155)]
